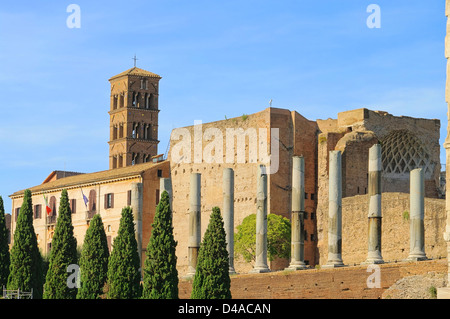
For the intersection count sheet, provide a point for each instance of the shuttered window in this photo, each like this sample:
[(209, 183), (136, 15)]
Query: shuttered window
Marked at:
[(37, 211), (109, 200), (92, 200), (73, 206)]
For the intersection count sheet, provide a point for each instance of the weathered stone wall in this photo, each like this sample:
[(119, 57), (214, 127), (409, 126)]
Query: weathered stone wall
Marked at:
[(297, 136), (340, 283), (395, 228)]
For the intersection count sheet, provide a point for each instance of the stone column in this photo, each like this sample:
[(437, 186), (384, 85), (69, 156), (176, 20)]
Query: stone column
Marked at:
[(136, 205), (297, 214), (374, 238), (261, 223), (165, 184), (194, 222), (335, 211), (228, 214), (444, 293), (416, 215)]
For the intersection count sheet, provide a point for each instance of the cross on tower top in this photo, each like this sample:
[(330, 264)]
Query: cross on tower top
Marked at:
[(135, 60)]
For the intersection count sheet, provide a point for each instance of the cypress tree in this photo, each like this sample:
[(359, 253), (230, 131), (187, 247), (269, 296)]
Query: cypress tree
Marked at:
[(212, 280), (62, 254), (93, 261), (124, 265), (25, 272), (4, 249), (160, 270)]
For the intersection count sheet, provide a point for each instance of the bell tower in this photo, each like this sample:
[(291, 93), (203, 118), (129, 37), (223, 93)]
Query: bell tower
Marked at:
[(133, 117)]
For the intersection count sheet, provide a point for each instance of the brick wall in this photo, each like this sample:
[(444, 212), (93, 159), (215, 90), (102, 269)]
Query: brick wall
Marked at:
[(341, 283)]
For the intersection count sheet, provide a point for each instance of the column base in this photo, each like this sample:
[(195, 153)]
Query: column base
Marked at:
[(296, 266), (333, 264), (373, 258), (231, 271), (416, 258), (372, 261), (259, 270)]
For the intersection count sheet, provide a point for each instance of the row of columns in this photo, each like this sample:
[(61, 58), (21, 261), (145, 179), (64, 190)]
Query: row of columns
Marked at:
[(228, 218), (417, 192), (417, 209)]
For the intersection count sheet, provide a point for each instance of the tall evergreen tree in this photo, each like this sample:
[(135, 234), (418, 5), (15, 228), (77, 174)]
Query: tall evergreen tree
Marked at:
[(160, 270), (63, 254), (25, 272), (93, 261), (124, 265), (4, 249), (212, 280)]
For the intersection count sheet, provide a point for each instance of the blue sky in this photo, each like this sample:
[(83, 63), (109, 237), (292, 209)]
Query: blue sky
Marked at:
[(217, 59)]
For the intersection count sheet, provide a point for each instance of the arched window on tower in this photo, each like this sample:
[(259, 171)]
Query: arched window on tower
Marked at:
[(115, 102), (133, 100), (120, 164), (138, 100), (153, 101), (120, 130), (121, 100), (115, 129), (134, 132), (148, 132), (147, 100), (135, 158)]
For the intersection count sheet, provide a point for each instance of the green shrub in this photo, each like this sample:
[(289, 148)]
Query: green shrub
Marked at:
[(278, 238)]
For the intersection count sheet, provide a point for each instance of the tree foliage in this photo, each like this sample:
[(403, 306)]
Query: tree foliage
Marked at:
[(160, 272), (212, 279), (93, 261), (25, 272), (278, 238), (124, 265), (4, 248), (62, 254)]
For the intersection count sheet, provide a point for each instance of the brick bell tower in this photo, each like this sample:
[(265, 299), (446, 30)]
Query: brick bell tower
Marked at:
[(133, 117)]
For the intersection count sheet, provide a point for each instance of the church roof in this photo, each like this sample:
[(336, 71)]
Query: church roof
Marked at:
[(136, 71), (88, 178)]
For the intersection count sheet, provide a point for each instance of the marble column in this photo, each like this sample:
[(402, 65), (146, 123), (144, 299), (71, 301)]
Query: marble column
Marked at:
[(297, 214), (261, 222), (228, 214), (374, 230), (194, 222), (416, 215), (444, 293), (165, 184), (335, 211)]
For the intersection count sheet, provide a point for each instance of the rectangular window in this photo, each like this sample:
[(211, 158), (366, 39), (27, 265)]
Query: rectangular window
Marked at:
[(312, 196), (129, 198), (313, 215), (17, 213), (109, 200), (37, 211), (73, 206), (160, 173), (306, 195), (313, 237)]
